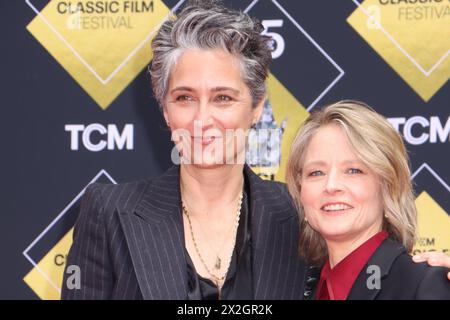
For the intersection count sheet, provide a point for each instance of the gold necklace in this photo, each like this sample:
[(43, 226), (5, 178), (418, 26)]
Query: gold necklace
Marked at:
[(218, 262), (217, 265)]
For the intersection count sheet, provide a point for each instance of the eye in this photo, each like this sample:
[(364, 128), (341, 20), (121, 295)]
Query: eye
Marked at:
[(316, 173), (354, 171), (183, 97), (223, 98)]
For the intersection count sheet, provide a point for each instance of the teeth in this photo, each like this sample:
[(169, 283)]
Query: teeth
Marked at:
[(336, 207)]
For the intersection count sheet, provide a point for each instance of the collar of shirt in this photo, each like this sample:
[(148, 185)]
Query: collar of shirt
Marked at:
[(336, 283)]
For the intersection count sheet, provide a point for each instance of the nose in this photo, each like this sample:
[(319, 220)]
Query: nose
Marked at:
[(204, 114), (333, 183)]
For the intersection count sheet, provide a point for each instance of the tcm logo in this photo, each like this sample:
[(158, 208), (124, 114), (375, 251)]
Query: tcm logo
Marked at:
[(96, 137), (424, 244), (419, 130)]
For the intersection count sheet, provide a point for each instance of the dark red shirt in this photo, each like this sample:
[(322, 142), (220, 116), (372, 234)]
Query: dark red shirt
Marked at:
[(336, 283)]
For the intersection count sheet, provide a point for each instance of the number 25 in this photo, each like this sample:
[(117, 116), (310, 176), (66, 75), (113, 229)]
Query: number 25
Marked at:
[(276, 37)]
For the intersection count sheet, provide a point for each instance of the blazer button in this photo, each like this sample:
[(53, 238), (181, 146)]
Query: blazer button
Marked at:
[(310, 280)]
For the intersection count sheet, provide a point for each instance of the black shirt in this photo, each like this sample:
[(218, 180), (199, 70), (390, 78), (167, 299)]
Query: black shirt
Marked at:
[(238, 282)]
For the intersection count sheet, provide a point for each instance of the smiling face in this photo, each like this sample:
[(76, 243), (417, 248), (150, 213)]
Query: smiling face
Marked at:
[(339, 194), (206, 98)]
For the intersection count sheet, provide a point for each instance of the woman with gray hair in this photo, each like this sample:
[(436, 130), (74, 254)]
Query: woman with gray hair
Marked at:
[(209, 228)]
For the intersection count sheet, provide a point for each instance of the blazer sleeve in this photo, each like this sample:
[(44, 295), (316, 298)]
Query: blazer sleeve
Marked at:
[(434, 285), (89, 252)]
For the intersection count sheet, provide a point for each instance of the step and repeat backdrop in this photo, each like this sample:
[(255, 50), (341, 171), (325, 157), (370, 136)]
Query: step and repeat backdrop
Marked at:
[(77, 106)]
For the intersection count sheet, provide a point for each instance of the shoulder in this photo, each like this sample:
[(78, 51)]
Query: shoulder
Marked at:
[(425, 281), (101, 201), (107, 198), (279, 188), (404, 266), (110, 195), (434, 284), (274, 192), (260, 185), (275, 198)]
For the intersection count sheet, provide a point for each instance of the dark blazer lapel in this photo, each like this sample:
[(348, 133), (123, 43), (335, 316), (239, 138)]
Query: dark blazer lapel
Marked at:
[(154, 232), (383, 258), (277, 271)]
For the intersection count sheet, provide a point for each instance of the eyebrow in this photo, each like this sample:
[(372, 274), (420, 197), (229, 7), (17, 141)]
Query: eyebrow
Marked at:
[(323, 163), (353, 161), (315, 163), (181, 89), (215, 89)]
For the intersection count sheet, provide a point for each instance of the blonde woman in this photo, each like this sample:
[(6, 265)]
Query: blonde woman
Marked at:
[(348, 174)]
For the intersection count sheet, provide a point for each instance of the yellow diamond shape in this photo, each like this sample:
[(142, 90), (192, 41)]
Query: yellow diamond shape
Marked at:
[(103, 52), (417, 49), (46, 278), (284, 106), (433, 225)]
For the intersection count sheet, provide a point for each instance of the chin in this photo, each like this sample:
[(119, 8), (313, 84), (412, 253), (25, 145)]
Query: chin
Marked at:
[(207, 165), (336, 233), (208, 162), (336, 236)]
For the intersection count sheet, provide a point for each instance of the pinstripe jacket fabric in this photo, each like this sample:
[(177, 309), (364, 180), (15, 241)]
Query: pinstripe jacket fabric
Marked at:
[(129, 241)]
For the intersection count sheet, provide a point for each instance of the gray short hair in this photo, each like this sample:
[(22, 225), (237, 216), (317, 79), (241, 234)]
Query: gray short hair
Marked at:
[(209, 25)]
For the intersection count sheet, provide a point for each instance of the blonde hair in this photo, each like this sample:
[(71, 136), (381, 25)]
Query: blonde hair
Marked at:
[(381, 149)]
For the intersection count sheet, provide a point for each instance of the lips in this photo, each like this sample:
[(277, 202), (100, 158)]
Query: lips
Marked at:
[(204, 140), (336, 207)]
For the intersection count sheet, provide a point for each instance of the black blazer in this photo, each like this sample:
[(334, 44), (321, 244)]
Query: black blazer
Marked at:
[(129, 241), (401, 278)]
